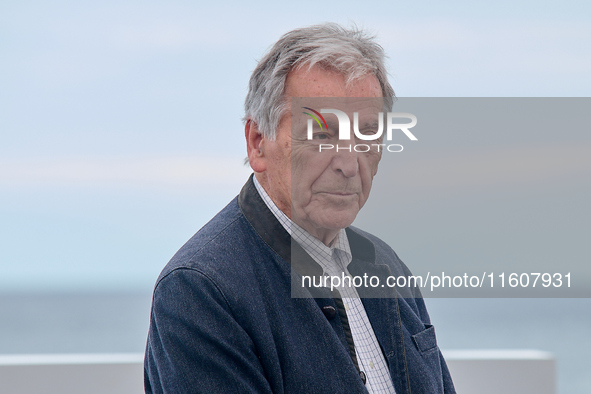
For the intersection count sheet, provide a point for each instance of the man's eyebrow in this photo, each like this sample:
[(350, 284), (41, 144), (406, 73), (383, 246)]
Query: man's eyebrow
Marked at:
[(332, 124)]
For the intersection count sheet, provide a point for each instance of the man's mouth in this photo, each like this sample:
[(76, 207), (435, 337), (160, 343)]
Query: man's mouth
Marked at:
[(339, 193)]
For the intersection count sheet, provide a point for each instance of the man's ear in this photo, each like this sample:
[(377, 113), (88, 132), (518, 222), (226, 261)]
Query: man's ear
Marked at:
[(254, 146)]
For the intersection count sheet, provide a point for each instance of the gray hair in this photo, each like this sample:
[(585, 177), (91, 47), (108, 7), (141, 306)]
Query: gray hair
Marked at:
[(348, 51)]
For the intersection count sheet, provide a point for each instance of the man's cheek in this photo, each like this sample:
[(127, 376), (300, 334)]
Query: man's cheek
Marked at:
[(374, 164)]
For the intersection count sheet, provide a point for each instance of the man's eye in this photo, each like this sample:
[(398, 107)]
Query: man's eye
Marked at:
[(321, 136), (369, 131)]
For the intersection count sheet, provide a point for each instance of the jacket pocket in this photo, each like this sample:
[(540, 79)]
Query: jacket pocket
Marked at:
[(425, 340)]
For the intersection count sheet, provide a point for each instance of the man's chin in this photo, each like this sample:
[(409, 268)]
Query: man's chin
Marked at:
[(335, 221)]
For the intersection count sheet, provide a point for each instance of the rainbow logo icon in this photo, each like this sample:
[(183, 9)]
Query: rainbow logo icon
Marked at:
[(316, 118)]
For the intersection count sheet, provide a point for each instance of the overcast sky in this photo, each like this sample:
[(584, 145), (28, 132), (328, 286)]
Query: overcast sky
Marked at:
[(121, 120)]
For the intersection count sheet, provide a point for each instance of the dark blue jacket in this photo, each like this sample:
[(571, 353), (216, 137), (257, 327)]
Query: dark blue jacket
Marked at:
[(224, 320)]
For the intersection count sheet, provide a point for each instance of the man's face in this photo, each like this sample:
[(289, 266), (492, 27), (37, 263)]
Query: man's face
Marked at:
[(323, 191)]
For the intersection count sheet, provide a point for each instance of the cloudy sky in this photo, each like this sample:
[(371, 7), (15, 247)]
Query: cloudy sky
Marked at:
[(121, 129)]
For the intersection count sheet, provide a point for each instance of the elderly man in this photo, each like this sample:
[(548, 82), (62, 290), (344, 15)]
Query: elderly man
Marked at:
[(230, 313)]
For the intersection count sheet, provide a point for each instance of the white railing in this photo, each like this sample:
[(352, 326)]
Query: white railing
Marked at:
[(72, 374), (473, 371), (502, 371)]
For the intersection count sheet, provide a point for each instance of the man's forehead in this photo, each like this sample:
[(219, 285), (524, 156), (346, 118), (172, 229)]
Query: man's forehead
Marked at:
[(344, 103), (317, 81), (364, 108)]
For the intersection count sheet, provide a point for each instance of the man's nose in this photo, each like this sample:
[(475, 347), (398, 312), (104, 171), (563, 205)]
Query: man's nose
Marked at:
[(346, 160)]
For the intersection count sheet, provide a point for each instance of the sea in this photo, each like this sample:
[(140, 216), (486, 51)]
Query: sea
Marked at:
[(37, 323)]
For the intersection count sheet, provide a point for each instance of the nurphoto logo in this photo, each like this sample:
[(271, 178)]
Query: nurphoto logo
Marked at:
[(344, 130)]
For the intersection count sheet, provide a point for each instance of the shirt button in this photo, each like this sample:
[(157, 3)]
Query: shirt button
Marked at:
[(329, 311), (362, 376)]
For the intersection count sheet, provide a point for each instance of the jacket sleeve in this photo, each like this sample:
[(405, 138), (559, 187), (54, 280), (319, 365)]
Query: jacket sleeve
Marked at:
[(195, 345)]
